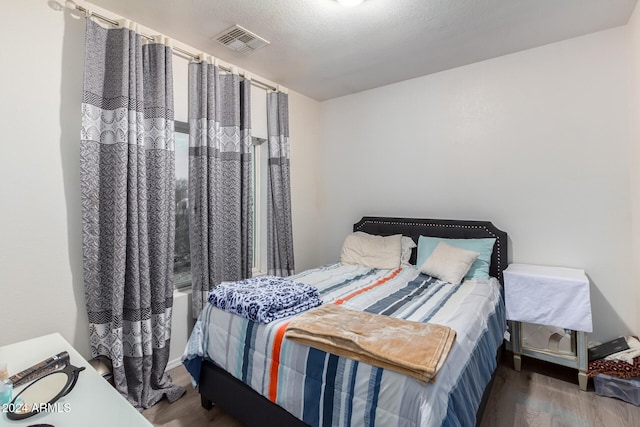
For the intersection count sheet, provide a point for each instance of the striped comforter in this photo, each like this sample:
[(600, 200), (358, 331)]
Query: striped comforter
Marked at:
[(326, 390)]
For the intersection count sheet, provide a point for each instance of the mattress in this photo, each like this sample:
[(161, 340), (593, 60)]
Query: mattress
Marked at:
[(327, 390)]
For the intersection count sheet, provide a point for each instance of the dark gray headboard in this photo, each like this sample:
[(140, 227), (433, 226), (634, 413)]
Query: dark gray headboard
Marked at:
[(448, 228)]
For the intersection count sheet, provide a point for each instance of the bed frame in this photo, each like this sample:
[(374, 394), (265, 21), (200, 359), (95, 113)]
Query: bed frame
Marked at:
[(252, 409)]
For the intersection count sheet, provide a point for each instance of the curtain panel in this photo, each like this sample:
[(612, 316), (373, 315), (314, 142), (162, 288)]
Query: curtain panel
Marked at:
[(220, 179), (128, 183), (279, 226)]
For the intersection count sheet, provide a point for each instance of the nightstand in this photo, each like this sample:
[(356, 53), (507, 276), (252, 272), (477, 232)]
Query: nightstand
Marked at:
[(553, 296)]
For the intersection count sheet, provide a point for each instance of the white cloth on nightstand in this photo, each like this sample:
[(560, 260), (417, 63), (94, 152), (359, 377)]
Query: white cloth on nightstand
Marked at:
[(553, 296)]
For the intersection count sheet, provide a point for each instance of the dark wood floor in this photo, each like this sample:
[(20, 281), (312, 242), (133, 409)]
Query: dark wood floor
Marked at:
[(186, 411), (543, 394), (540, 395)]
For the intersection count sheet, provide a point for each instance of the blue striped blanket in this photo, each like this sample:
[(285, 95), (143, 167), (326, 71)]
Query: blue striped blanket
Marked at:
[(323, 389), (264, 299)]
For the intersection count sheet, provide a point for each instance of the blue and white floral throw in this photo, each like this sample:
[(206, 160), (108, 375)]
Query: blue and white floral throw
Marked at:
[(264, 299)]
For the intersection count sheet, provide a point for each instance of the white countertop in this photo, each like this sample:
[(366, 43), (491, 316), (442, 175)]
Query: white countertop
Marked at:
[(93, 401)]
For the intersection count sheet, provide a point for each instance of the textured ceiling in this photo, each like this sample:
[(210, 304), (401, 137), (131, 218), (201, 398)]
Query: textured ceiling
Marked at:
[(324, 50)]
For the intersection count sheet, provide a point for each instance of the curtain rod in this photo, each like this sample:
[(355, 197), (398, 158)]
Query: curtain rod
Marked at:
[(194, 56)]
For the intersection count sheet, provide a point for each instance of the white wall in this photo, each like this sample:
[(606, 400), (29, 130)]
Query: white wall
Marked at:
[(306, 191), (41, 243), (42, 287), (634, 70), (538, 142)]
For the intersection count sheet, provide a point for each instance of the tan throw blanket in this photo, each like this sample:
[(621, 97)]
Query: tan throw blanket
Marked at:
[(412, 348)]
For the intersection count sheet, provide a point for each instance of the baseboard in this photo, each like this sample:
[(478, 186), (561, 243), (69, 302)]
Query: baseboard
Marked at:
[(173, 364)]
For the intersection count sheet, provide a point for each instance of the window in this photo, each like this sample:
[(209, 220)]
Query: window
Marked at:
[(182, 254), (259, 185), (259, 133)]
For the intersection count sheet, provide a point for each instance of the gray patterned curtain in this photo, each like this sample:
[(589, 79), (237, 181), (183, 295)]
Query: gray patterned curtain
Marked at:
[(127, 182), (279, 226), (220, 195)]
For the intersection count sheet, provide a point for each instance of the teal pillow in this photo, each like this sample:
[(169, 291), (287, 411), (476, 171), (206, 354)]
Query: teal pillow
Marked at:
[(479, 269)]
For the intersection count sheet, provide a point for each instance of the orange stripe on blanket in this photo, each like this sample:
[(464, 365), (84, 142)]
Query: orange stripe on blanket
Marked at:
[(368, 288), (275, 362), (279, 336)]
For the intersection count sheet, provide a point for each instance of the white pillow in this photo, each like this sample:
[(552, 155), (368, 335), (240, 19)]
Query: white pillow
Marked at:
[(371, 251), (449, 263), (407, 245)]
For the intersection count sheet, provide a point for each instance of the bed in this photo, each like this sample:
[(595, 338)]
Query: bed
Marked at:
[(256, 375)]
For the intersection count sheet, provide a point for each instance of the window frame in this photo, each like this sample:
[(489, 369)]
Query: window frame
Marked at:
[(259, 171), (181, 127)]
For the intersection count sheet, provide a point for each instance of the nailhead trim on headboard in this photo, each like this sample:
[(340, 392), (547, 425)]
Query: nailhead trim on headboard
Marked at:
[(485, 226)]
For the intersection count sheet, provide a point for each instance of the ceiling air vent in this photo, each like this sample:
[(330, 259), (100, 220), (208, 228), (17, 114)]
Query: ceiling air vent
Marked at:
[(240, 39)]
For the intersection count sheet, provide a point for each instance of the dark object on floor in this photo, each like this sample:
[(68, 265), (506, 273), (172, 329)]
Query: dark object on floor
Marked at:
[(603, 350), (103, 365), (624, 389), (614, 368)]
